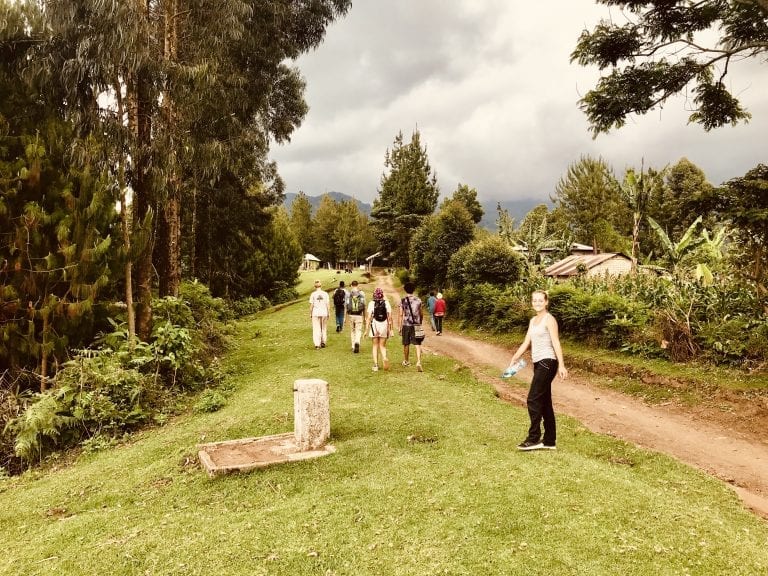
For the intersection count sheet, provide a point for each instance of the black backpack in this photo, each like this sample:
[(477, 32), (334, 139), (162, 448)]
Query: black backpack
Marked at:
[(379, 310), (339, 297)]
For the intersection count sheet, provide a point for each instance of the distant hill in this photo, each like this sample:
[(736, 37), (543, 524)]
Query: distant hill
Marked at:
[(314, 201), (517, 208)]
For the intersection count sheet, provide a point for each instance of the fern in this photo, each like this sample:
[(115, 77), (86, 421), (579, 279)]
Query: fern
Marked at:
[(45, 418)]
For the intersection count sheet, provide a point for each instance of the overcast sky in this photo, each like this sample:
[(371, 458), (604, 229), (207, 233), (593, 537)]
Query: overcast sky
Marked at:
[(490, 88)]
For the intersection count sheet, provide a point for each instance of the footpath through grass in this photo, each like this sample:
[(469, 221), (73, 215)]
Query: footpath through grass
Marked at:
[(425, 481)]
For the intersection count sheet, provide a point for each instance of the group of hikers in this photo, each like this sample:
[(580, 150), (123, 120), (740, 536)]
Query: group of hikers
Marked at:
[(376, 320)]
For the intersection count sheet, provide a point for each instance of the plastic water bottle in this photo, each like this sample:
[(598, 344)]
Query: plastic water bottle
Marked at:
[(514, 369)]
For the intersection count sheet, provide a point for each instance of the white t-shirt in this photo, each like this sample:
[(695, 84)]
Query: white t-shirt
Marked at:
[(320, 303)]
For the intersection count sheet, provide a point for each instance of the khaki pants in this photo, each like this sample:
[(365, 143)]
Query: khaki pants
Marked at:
[(356, 328)]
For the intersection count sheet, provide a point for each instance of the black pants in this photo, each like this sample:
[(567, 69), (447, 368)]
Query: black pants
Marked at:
[(439, 323), (540, 402)]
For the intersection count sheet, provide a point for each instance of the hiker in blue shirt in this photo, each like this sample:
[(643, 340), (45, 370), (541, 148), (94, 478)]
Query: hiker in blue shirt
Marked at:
[(431, 305)]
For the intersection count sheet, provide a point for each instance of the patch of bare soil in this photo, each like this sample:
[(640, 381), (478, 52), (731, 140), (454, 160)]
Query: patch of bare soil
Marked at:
[(725, 437)]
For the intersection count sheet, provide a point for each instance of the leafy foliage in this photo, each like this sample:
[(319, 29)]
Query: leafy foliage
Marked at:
[(485, 261), (408, 193), (436, 240), (659, 53)]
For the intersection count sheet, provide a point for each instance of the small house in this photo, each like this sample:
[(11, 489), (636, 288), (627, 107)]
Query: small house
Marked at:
[(606, 264), (310, 262)]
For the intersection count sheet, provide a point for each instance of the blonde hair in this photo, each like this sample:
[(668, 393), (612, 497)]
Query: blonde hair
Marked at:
[(543, 293)]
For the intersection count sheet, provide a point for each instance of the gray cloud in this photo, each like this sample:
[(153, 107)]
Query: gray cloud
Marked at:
[(491, 89)]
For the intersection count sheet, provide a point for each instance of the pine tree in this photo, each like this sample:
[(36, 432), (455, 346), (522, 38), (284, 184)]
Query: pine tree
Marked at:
[(408, 193)]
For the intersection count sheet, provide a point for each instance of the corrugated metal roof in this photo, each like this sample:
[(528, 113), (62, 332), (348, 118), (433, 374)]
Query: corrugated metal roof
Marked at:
[(569, 266)]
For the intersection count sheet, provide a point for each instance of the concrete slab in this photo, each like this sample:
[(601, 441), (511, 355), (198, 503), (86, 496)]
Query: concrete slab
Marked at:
[(250, 453)]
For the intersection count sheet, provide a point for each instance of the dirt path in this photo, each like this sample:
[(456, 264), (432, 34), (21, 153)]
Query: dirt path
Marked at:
[(731, 456)]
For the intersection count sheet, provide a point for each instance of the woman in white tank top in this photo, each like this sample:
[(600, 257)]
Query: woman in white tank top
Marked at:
[(547, 357)]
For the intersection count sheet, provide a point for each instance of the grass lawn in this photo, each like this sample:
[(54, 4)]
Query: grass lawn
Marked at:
[(425, 481), (329, 278)]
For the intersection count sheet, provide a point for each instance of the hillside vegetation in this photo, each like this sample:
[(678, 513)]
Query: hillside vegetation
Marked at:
[(425, 480)]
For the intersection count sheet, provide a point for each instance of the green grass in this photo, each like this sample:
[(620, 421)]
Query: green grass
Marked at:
[(425, 480), (329, 278)]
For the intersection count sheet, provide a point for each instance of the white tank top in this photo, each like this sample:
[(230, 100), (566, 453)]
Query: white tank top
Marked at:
[(541, 341)]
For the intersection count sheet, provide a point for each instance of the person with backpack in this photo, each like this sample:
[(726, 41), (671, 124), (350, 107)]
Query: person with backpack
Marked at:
[(379, 323), (318, 312), (355, 313), (339, 302), (411, 319)]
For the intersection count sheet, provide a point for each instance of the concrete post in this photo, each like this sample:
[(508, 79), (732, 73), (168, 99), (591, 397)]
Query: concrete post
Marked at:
[(312, 413)]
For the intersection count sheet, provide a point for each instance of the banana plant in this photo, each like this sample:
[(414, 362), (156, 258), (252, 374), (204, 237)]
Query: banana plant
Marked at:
[(675, 251)]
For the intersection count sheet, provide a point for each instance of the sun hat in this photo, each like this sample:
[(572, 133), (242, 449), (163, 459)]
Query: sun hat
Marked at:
[(439, 294), (378, 294)]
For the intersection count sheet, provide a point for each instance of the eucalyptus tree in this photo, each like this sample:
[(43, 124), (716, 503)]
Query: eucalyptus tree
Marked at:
[(661, 49), (408, 193), (353, 235), (189, 93), (324, 225), (301, 221)]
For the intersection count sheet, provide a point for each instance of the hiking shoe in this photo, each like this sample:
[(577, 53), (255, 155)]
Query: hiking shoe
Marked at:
[(357, 348), (322, 344), (406, 363), (419, 368), (386, 364), (528, 445), (549, 447), (375, 368)]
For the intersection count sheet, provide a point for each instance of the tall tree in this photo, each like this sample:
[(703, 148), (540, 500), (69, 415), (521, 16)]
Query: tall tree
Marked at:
[(440, 236), (685, 188), (663, 50), (408, 192), (744, 202), (324, 226), (301, 221), (468, 197), (590, 198), (204, 96)]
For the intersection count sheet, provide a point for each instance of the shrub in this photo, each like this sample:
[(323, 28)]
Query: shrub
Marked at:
[(249, 305), (488, 260), (210, 401)]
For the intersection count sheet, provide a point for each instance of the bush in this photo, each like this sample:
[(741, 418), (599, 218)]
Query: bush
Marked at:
[(249, 305), (485, 261), (210, 401)]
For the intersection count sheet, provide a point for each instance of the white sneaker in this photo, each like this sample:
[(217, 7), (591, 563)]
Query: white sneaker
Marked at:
[(375, 368)]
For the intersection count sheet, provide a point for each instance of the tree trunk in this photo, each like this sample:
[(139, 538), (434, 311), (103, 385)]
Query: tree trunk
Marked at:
[(170, 274), (125, 223)]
